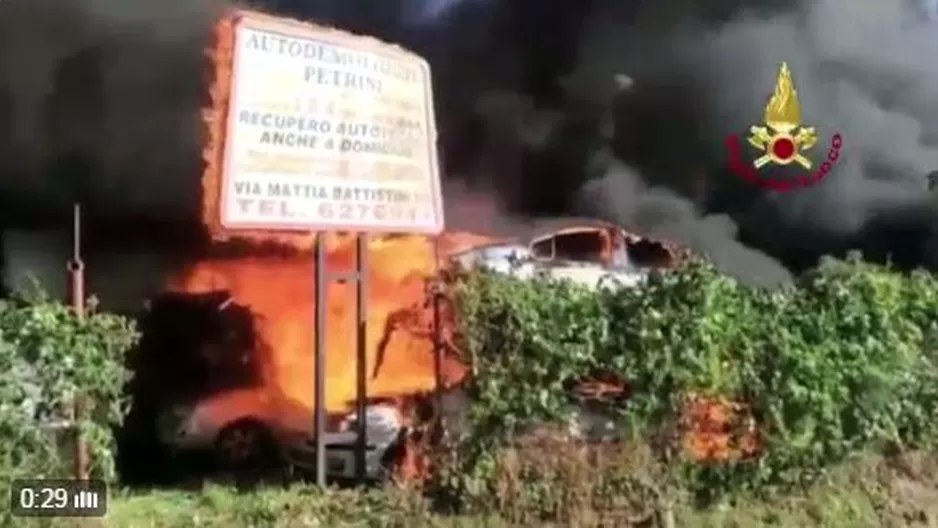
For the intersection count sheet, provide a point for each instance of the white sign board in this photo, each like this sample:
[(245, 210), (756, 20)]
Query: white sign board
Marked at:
[(328, 131)]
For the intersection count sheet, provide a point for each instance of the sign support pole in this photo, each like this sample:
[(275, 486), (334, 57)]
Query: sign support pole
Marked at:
[(437, 299), (321, 285), (319, 367), (361, 392)]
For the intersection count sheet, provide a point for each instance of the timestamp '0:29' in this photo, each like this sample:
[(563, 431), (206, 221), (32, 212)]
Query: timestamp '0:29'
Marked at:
[(58, 498)]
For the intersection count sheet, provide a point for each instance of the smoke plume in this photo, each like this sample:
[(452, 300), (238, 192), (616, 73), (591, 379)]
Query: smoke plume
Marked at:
[(863, 70), (99, 102), (615, 109), (700, 72)]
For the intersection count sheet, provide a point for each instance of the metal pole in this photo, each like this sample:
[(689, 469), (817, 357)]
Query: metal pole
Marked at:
[(76, 293), (361, 294), (437, 334), (76, 267), (438, 347), (320, 357)]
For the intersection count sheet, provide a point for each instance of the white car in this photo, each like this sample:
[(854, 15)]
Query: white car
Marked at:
[(253, 429), (592, 253)]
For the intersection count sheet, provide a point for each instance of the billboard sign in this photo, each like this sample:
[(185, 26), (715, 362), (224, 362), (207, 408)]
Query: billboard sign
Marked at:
[(327, 130)]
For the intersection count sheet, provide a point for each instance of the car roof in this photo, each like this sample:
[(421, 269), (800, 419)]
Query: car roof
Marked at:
[(555, 226), (523, 232)]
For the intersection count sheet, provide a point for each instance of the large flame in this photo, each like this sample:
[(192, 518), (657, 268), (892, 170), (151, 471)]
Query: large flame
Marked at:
[(279, 288), (280, 291)]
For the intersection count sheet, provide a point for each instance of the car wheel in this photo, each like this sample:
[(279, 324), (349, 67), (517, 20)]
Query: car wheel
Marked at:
[(246, 444)]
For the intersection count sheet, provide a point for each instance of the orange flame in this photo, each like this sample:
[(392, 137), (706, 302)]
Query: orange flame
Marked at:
[(718, 430), (222, 58), (215, 119), (280, 290)]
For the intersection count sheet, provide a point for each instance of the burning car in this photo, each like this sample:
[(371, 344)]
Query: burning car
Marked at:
[(588, 252), (219, 406), (254, 429)]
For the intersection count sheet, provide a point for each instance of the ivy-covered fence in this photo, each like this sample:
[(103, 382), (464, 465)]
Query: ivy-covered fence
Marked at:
[(48, 356), (845, 360)]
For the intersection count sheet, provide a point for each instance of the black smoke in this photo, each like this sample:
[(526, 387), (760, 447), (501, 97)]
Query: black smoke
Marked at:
[(701, 71), (100, 100)]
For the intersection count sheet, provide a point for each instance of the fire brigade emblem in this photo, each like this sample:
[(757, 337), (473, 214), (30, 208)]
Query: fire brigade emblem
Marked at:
[(783, 139), (782, 142)]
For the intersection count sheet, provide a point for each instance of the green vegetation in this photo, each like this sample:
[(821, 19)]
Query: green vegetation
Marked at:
[(839, 363), (48, 357), (830, 387)]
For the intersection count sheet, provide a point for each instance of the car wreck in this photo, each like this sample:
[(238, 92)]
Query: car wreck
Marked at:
[(240, 423), (589, 252)]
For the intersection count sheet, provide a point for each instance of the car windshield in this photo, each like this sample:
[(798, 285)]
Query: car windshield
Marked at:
[(577, 246), (592, 246)]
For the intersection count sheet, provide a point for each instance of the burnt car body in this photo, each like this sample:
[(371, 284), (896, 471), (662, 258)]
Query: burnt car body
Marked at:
[(589, 252), (217, 415), (594, 254), (258, 429)]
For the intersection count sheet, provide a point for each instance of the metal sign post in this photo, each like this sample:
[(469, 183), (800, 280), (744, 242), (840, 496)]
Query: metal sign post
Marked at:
[(319, 354), (322, 280), (361, 353), (437, 292)]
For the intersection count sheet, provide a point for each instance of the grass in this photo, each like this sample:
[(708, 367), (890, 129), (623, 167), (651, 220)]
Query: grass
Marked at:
[(297, 506), (870, 491)]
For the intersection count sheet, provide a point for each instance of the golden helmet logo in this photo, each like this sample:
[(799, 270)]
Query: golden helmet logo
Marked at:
[(782, 140)]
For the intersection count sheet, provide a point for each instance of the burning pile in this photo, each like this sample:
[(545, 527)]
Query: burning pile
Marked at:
[(718, 430), (710, 429), (280, 291), (278, 285)]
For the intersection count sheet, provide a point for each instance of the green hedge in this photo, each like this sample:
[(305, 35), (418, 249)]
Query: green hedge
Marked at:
[(48, 355), (842, 361)]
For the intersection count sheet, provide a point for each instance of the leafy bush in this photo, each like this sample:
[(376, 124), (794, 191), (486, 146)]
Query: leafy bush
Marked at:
[(844, 360), (49, 356)]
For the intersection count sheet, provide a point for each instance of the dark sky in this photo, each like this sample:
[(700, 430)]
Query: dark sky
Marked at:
[(100, 101)]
